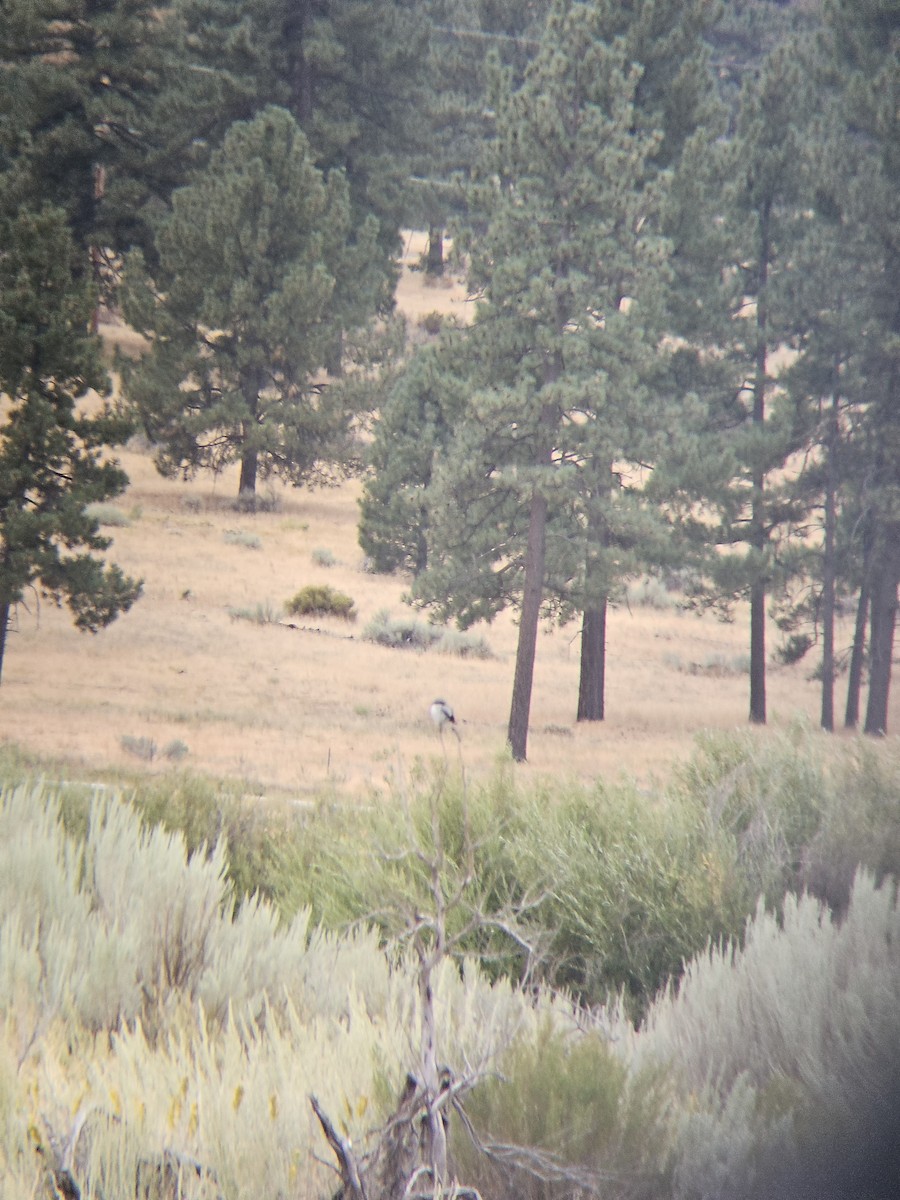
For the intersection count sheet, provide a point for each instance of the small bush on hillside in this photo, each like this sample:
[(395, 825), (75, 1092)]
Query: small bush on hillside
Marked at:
[(408, 633), (461, 644), (320, 600), (405, 632), (260, 614), (107, 514), (251, 501), (140, 747), (239, 537), (650, 592), (323, 557)]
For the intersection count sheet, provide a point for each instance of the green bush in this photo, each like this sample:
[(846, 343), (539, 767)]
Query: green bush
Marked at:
[(320, 600)]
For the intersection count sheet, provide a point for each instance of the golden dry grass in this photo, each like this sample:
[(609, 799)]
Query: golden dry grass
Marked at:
[(292, 710)]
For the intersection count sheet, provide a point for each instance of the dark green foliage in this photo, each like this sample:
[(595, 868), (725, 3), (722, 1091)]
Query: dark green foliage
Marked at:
[(96, 111), (350, 72), (320, 600), (53, 463), (413, 428)]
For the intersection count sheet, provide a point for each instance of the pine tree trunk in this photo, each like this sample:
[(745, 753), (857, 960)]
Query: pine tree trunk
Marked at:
[(857, 658), (434, 259), (758, 482), (4, 629), (829, 566), (533, 587), (883, 621), (592, 681), (249, 467), (758, 653), (251, 388), (533, 592)]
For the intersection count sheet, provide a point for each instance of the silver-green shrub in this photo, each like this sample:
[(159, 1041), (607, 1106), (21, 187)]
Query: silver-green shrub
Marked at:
[(785, 1053), (404, 632)]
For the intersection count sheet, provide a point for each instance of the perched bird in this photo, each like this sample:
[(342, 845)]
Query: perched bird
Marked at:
[(442, 715)]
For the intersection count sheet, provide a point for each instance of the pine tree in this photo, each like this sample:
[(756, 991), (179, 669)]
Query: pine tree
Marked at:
[(762, 215), (568, 236), (53, 460), (257, 272)]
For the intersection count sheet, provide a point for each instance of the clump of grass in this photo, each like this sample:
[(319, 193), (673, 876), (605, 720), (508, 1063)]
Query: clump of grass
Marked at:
[(255, 502), (408, 633), (405, 633), (462, 644), (140, 747), (650, 592), (718, 666), (239, 537), (259, 614), (175, 750), (320, 600), (107, 514), (323, 557)]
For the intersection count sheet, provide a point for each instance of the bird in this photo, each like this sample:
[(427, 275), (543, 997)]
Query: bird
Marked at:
[(442, 715)]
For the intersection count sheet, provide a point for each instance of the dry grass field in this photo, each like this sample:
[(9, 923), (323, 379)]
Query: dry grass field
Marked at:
[(293, 710)]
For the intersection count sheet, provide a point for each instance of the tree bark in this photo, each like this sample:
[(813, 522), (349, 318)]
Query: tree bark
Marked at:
[(4, 629), (758, 482), (829, 571), (249, 467), (883, 622), (857, 658), (434, 259), (757, 479), (592, 681), (533, 592)]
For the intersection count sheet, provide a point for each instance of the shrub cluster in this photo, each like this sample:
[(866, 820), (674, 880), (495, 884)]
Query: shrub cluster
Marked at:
[(408, 633)]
